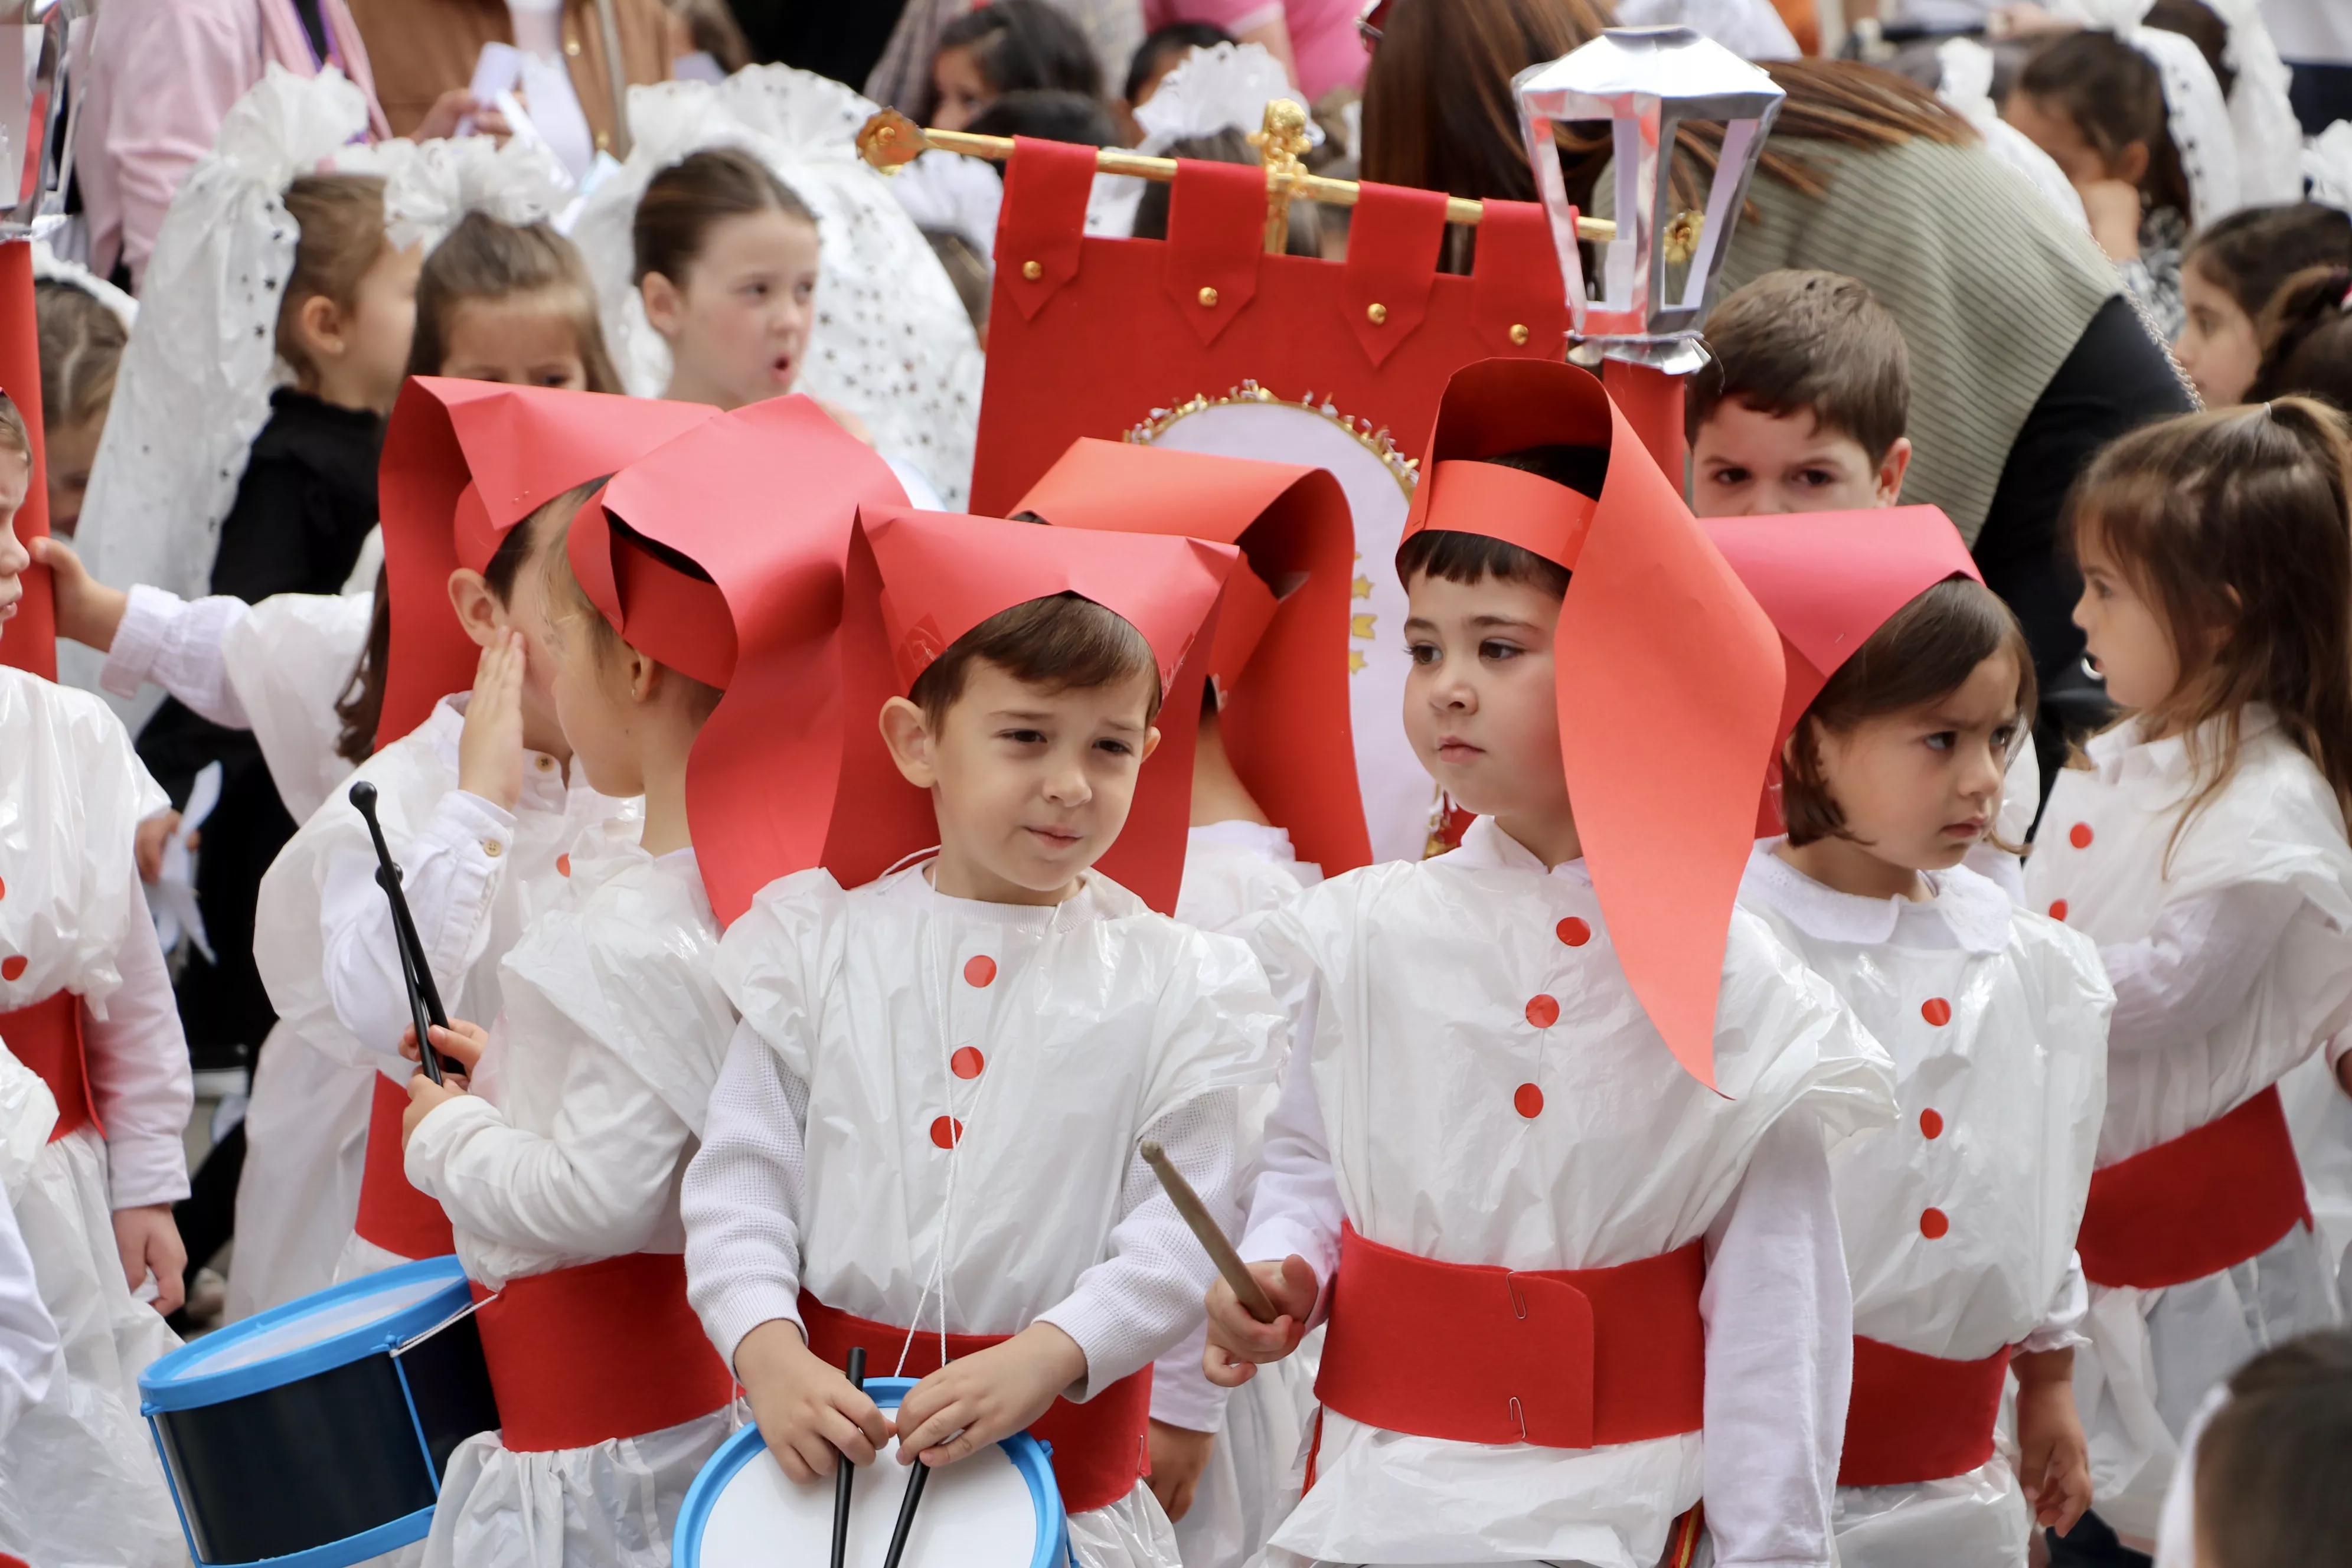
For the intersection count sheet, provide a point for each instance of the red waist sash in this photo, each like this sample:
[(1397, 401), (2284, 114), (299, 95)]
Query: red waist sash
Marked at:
[(394, 1215), (1100, 1448), (1560, 1358), (1917, 1417), (2216, 1196), (46, 1038), (605, 1350)]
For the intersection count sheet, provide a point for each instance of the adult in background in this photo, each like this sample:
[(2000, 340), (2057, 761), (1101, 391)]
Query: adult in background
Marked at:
[(1317, 41), (423, 51)]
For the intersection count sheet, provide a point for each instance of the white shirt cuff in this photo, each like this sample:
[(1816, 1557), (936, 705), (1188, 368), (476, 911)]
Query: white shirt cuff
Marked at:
[(138, 639)]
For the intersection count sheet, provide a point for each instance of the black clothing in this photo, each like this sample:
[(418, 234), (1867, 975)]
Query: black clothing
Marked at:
[(822, 36), (2322, 95)]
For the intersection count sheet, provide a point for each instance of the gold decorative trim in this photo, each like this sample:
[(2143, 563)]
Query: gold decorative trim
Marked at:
[(1376, 440)]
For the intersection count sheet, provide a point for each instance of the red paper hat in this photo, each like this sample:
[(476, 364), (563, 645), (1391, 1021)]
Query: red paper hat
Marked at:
[(760, 787), (917, 581), (464, 461), (1280, 665), (1829, 581), (1669, 676)]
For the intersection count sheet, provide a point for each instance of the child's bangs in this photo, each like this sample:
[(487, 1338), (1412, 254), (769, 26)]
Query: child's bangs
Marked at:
[(1065, 642)]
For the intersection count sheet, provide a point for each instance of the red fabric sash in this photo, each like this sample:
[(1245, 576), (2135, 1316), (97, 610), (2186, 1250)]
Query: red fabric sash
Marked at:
[(1917, 1417), (1101, 1448), (394, 1215), (2216, 1196), (605, 1350), (46, 1038), (1562, 1359)]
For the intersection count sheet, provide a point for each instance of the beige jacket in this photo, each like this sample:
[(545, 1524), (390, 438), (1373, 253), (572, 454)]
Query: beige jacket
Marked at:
[(421, 48)]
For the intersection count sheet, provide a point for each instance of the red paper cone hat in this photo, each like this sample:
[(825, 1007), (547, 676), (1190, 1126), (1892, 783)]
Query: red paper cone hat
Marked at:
[(1829, 581), (762, 499), (1280, 665), (464, 461), (917, 581), (1669, 675)]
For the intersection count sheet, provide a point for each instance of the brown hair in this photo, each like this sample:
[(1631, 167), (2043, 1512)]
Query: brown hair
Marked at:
[(2252, 252), (2307, 338), (1807, 341), (1923, 653), (1063, 642), (2270, 1466), (683, 201), (14, 436), (712, 28), (485, 260), (1018, 45), (82, 342), (340, 218), (2233, 526), (2115, 96), (2199, 25)]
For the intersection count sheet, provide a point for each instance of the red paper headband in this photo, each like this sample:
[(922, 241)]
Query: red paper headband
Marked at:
[(669, 615), (1281, 665), (1670, 682)]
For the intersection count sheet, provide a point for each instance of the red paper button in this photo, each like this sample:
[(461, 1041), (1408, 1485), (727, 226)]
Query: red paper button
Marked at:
[(946, 1131), (1527, 1100), (2079, 835), (13, 968), (979, 969), (1933, 1224), (1574, 931), (967, 1062), (2058, 909), (563, 864), (4, 886), (1931, 1124), (1937, 1010), (1543, 1012)]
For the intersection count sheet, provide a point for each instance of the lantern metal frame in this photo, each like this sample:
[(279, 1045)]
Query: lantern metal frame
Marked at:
[(39, 105)]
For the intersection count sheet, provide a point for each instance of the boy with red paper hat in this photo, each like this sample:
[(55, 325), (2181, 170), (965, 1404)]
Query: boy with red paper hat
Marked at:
[(984, 1036), (474, 789), (1909, 689), (1275, 756), (1550, 1156)]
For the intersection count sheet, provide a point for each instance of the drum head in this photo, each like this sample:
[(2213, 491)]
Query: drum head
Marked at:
[(998, 1508)]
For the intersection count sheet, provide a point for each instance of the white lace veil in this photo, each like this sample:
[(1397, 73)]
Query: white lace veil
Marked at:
[(891, 344), (48, 267), (2204, 126), (429, 186)]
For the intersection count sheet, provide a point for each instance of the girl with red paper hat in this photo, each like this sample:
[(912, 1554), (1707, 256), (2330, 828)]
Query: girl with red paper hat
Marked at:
[(89, 1139), (1910, 686), (1550, 1157), (1274, 754), (982, 1037)]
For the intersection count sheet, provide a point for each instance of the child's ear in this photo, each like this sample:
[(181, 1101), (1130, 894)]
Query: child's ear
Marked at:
[(907, 733), (2131, 164), (665, 307), (1150, 744), (318, 327), (478, 610), (1891, 469)]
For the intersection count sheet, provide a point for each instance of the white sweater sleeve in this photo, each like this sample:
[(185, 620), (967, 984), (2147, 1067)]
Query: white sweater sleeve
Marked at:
[(139, 1076), (1780, 1357), (1295, 1205), (2178, 984), (744, 1196), (2061, 1327), (177, 645), (28, 1336)]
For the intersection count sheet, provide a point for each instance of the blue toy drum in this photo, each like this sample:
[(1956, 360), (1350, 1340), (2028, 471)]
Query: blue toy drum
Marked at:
[(999, 1509), (314, 1435)]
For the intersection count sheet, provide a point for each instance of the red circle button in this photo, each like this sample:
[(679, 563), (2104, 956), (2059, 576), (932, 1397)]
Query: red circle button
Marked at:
[(12, 969), (1527, 1100), (967, 1062), (1931, 1124), (2058, 909), (980, 970), (2079, 835), (1574, 931), (1933, 1224), (1543, 1012), (4, 886), (563, 864), (946, 1131), (1937, 1010)]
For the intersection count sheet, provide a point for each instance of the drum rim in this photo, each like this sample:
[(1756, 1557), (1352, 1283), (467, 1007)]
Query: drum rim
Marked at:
[(162, 1391), (1030, 1457)]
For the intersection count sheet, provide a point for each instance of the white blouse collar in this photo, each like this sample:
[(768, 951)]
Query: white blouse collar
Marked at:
[(913, 886), (1972, 907), (1259, 838), (2120, 755), (1485, 847)]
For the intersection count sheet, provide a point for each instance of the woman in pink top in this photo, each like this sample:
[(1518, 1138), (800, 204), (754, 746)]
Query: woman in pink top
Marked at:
[(1315, 40)]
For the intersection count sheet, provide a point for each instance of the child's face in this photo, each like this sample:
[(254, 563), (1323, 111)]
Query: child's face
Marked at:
[(1479, 703), (72, 453), (593, 697), (383, 319), (738, 324), (522, 339), (488, 619), (1031, 784), (2128, 641), (1749, 463), (2052, 130), (2217, 345), (963, 91), (15, 479), (1919, 789)]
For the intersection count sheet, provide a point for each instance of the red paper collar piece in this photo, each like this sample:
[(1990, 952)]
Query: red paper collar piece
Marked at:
[(1280, 664), (660, 611), (464, 461), (1669, 686)]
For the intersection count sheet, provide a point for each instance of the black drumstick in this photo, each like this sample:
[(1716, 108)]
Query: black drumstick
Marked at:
[(416, 975), (907, 1504), (847, 1474)]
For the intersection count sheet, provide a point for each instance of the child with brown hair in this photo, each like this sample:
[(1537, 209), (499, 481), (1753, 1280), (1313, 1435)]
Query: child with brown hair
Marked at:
[(727, 263), (2232, 272), (82, 340), (2269, 1487), (2306, 337), (2203, 847)]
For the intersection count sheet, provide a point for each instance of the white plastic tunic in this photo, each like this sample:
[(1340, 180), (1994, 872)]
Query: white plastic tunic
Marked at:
[(2107, 851), (1958, 1221)]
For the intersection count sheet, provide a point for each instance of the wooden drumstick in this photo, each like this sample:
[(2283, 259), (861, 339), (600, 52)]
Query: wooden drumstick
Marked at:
[(844, 1476), (1252, 1295)]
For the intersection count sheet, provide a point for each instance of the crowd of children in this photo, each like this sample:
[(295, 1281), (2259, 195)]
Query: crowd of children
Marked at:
[(1789, 1117)]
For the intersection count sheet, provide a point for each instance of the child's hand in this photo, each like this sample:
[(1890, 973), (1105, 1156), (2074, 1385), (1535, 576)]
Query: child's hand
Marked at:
[(461, 1042), (88, 612), (1178, 1455), (489, 747), (2054, 1462), (987, 1396), (147, 841), (148, 1241), (425, 1097), (809, 1413), (1239, 1342)]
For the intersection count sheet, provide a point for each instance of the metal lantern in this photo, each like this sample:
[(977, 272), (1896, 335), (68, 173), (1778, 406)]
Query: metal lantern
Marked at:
[(36, 112), (1647, 83)]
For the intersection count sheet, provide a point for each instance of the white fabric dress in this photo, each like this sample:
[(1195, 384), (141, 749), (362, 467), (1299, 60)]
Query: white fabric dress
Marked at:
[(1399, 1114), (2000, 1105), (827, 1163), (31, 1353), (80, 1483), (585, 1110), (2184, 1051)]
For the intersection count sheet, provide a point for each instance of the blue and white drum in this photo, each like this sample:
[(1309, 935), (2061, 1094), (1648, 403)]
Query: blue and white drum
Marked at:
[(999, 1509), (314, 1435)]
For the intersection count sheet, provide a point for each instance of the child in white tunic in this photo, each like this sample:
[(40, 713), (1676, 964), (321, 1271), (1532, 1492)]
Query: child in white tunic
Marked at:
[(2203, 848), (970, 1191), (1551, 1155), (1958, 1221)]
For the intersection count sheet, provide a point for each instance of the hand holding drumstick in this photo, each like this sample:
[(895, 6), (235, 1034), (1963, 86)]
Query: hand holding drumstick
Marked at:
[(1257, 1312)]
